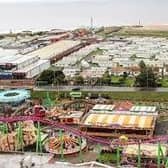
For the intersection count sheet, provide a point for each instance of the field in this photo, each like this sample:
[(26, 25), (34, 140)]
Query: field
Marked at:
[(118, 80), (141, 32), (128, 31), (150, 96)]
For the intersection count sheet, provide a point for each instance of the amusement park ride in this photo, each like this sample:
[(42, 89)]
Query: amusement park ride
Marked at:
[(69, 135)]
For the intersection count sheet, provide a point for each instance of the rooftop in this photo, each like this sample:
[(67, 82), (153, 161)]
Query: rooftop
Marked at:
[(32, 66), (54, 49), (103, 107), (122, 120)]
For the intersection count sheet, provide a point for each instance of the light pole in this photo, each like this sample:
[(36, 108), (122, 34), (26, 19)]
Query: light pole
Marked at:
[(147, 77)]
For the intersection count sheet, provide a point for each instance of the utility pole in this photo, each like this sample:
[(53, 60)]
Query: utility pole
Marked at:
[(147, 78), (139, 22), (91, 25)]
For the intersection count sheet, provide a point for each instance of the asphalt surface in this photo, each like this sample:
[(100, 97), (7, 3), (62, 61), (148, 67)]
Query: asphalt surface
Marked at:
[(98, 88)]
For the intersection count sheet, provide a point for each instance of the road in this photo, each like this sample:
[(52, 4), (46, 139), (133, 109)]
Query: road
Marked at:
[(98, 89)]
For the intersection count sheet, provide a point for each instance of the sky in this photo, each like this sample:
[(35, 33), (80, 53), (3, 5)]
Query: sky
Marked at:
[(47, 14), (22, 1)]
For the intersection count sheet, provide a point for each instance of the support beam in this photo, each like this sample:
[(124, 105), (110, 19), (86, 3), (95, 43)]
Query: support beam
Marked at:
[(80, 149), (159, 158), (118, 156), (139, 154), (38, 142), (19, 137), (62, 142)]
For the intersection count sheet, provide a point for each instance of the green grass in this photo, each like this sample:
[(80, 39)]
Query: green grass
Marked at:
[(115, 79), (43, 94), (141, 33), (108, 31), (98, 51), (108, 158), (164, 82), (148, 96), (128, 82)]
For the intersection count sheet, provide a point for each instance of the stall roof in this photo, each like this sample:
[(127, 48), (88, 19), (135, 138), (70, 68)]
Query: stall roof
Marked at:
[(134, 121), (103, 107), (150, 109)]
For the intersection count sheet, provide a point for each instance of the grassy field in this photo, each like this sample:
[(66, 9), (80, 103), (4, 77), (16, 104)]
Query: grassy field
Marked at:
[(128, 82), (133, 96), (108, 158), (98, 51), (141, 32), (164, 82), (108, 30)]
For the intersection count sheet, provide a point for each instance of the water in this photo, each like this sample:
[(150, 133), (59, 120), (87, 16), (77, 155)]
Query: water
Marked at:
[(67, 14)]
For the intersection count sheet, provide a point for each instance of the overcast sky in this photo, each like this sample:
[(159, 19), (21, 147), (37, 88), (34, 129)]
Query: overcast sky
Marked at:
[(15, 1), (41, 14)]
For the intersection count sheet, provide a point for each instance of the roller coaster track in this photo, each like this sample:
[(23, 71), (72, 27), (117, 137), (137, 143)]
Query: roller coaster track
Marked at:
[(98, 140)]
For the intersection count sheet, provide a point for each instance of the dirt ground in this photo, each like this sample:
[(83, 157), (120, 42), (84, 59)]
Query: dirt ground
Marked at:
[(161, 128), (85, 157)]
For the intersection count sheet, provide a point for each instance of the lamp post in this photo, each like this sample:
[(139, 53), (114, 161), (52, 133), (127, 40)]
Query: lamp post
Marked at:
[(147, 77)]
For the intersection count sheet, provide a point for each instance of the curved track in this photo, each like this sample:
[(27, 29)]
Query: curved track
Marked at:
[(98, 140)]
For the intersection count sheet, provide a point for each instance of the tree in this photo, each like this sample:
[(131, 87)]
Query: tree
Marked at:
[(59, 77), (133, 57), (125, 75), (78, 80), (52, 77), (142, 66), (106, 79), (147, 77), (46, 75)]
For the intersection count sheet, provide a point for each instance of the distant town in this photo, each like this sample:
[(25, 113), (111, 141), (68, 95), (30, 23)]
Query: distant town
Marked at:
[(102, 56)]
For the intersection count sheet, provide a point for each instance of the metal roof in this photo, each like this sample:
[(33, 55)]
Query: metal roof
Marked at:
[(22, 59), (103, 107), (150, 109), (32, 66), (10, 58), (120, 120), (54, 49)]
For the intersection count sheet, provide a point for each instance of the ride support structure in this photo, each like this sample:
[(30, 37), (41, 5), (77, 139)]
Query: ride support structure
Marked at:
[(101, 141)]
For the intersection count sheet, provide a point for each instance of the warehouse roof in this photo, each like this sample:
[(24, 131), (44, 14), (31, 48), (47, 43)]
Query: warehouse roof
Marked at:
[(50, 37), (9, 58), (120, 120), (54, 49), (32, 66), (21, 59)]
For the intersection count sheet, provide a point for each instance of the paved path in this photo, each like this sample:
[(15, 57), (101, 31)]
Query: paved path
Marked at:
[(99, 89)]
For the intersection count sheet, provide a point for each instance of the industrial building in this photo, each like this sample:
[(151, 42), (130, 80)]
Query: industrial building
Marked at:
[(15, 65), (32, 70), (58, 50)]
